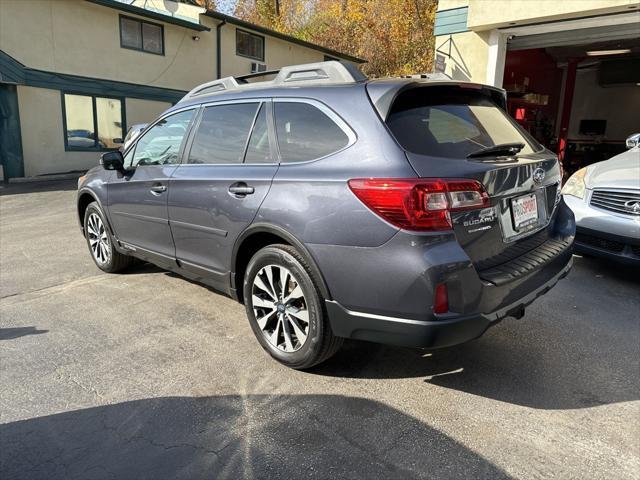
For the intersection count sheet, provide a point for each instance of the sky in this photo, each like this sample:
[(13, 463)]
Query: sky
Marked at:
[(226, 6)]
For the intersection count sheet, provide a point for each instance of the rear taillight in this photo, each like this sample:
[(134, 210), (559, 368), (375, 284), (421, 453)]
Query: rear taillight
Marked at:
[(441, 299), (420, 204)]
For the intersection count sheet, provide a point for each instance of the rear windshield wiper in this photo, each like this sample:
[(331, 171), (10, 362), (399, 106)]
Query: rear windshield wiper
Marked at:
[(500, 149)]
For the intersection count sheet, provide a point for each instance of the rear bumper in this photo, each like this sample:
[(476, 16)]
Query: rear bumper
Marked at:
[(447, 331), (386, 294)]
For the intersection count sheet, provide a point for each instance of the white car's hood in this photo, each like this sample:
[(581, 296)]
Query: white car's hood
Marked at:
[(621, 171)]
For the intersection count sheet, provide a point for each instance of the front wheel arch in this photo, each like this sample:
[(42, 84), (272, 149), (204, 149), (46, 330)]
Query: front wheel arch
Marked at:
[(83, 202), (85, 198)]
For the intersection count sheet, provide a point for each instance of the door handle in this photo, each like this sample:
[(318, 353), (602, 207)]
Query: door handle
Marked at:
[(240, 189), (158, 188)]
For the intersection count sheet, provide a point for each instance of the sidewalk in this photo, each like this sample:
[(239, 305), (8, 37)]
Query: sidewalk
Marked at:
[(49, 185)]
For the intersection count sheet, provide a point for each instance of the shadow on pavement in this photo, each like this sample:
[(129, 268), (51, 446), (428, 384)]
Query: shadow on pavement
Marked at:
[(576, 348), (141, 267), (40, 186), (306, 436), (17, 332), (559, 359), (504, 366)]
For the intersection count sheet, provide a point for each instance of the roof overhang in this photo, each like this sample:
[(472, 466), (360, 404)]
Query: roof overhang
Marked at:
[(14, 72), (143, 12)]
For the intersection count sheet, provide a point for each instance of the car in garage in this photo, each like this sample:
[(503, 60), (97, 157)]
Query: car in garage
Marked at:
[(407, 211), (605, 199)]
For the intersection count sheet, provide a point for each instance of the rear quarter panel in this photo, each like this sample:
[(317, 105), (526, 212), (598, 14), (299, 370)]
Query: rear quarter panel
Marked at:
[(312, 200)]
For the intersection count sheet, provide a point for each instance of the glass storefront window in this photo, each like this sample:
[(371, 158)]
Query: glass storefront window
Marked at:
[(92, 123)]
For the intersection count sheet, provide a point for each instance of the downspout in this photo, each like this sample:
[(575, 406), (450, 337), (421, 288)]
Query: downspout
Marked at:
[(219, 48)]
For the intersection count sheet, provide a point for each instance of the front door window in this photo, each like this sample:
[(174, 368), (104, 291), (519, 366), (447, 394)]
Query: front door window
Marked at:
[(161, 144)]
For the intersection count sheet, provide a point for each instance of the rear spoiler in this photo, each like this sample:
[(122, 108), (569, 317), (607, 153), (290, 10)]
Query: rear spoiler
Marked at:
[(384, 92)]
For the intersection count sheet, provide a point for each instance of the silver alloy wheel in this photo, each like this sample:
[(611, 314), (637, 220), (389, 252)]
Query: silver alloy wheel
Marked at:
[(98, 239), (280, 308)]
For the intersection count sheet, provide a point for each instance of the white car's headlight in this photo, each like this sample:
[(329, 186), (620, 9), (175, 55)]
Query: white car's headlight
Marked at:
[(575, 185)]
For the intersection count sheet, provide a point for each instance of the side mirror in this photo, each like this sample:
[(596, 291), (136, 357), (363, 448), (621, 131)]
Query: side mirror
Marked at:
[(633, 140), (112, 161), (117, 140)]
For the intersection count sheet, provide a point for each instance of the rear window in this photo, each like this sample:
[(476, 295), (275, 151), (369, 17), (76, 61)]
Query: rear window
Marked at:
[(446, 122)]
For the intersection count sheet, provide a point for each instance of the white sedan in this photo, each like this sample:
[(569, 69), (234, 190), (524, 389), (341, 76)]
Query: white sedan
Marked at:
[(605, 198)]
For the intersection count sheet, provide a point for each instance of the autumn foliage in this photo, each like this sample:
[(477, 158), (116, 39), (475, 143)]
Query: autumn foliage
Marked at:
[(394, 36)]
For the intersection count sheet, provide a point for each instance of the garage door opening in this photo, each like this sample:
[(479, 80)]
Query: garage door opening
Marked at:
[(579, 100)]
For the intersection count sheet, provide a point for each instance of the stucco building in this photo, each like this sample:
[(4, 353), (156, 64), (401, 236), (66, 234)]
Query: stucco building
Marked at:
[(74, 74)]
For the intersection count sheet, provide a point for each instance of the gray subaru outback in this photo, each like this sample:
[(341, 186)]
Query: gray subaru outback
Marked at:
[(407, 211)]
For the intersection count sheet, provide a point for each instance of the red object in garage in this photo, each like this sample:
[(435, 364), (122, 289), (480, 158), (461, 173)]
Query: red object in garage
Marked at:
[(533, 80)]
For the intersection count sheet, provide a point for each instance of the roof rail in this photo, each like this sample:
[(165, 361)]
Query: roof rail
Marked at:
[(331, 72), (264, 73), (227, 83)]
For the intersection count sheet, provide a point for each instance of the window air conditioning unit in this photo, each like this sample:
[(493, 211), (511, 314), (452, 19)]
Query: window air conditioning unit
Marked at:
[(258, 67)]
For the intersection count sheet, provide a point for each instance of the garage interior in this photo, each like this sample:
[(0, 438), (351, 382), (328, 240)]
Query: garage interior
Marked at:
[(577, 92)]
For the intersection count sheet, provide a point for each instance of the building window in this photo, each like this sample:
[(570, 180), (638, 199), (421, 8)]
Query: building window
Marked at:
[(249, 45), (92, 123), (141, 35)]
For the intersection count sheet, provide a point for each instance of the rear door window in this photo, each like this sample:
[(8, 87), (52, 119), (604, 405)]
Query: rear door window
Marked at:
[(258, 150), (306, 133), (221, 137), (446, 122)]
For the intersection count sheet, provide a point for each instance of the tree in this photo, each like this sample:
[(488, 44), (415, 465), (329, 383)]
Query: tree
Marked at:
[(208, 4), (285, 16), (394, 36)]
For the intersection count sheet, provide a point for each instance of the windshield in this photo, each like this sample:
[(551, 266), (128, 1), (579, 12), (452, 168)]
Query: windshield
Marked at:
[(453, 123)]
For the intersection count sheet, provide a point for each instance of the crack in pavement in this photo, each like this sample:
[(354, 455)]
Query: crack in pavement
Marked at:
[(50, 290)]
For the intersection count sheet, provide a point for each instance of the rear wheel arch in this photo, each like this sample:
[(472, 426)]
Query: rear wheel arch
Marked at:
[(259, 236)]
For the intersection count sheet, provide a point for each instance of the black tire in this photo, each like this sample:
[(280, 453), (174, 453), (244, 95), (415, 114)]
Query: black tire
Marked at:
[(114, 261), (320, 343)]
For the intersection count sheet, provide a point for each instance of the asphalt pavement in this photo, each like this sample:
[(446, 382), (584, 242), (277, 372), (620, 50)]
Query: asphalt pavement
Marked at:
[(147, 375)]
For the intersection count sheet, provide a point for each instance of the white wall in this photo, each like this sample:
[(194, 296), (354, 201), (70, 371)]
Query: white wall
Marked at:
[(143, 111), (43, 135), (278, 53), (619, 106), (488, 14), (81, 38)]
